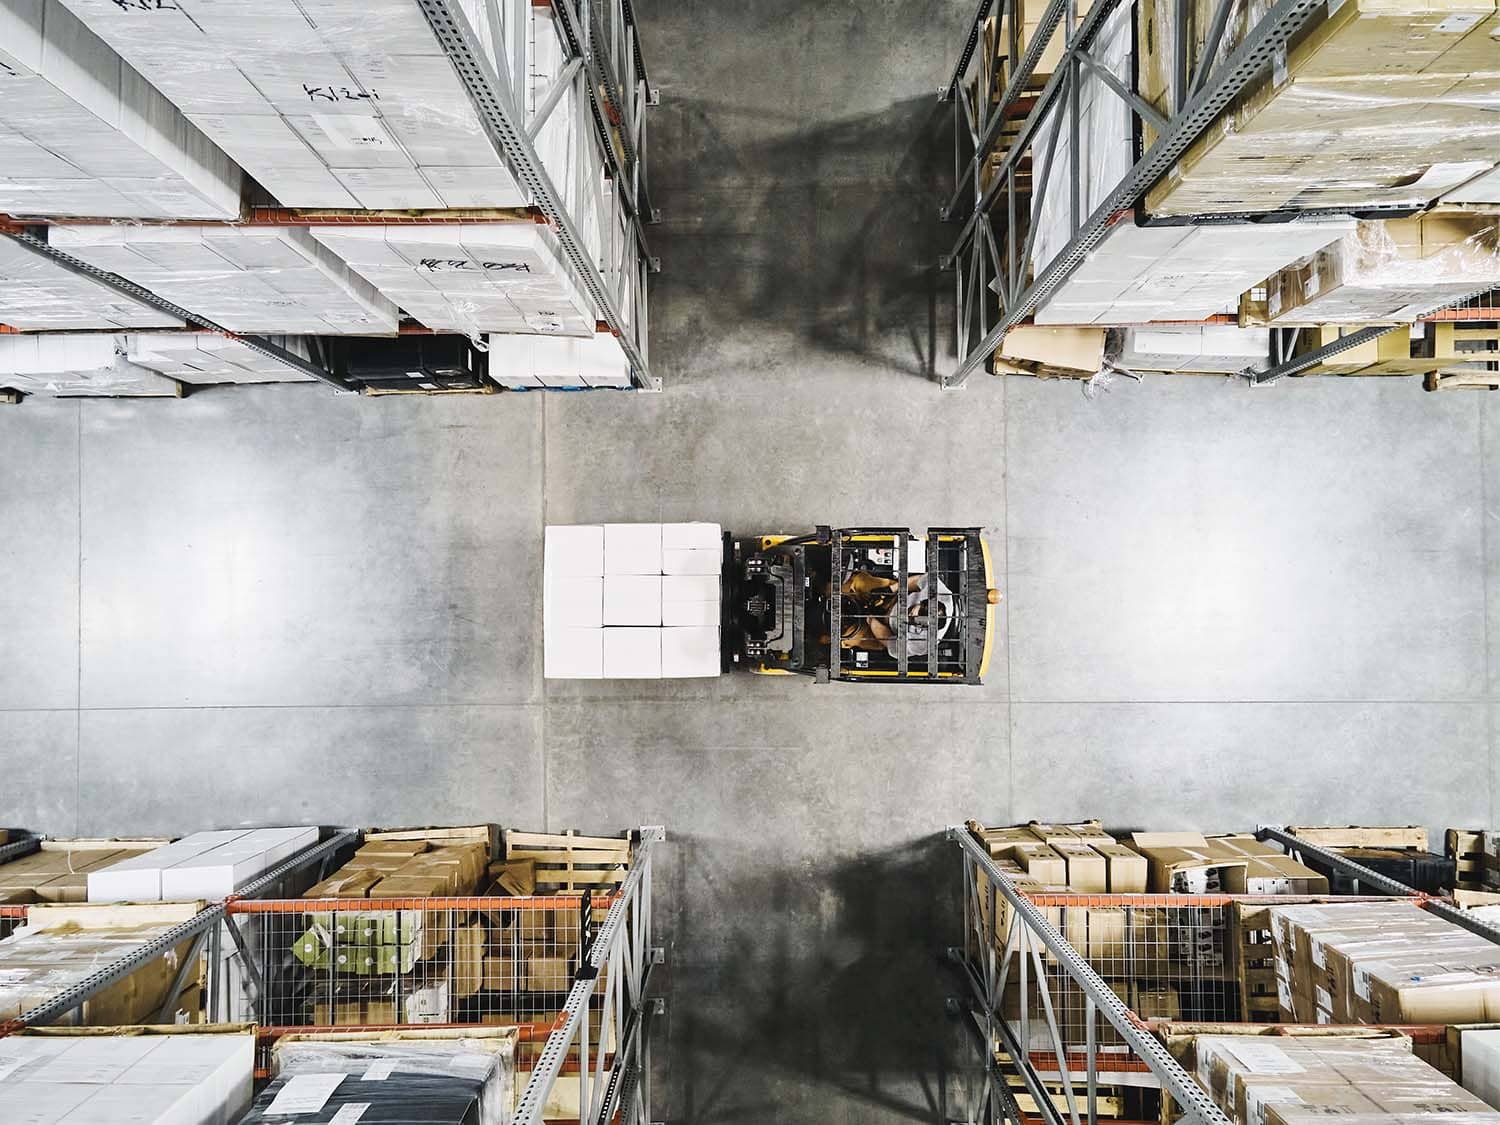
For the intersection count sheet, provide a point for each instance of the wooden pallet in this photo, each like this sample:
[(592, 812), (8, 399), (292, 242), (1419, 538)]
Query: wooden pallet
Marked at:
[(379, 392), (569, 863), (1465, 847), (1255, 963), (1356, 836)]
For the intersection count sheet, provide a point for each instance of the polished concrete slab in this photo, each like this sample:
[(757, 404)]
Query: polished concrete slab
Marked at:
[(1222, 607)]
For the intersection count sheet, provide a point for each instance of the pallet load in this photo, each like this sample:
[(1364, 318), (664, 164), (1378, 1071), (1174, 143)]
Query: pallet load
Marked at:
[(1190, 863), (1372, 105), (145, 1074), (205, 865), (526, 362), (58, 870), (81, 133), (62, 945), (632, 601), (1299, 1080), (1399, 853), (37, 293), (444, 1077), (208, 359), (1379, 962)]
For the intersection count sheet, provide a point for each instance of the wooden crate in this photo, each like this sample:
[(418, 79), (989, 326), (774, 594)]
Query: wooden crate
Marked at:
[(1465, 846), (567, 862), (1356, 836), (1255, 962)]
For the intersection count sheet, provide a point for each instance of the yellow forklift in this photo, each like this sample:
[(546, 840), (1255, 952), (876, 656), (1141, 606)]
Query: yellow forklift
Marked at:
[(862, 605)]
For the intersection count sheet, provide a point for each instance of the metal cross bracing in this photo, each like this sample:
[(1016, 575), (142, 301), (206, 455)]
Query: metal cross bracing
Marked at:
[(201, 932), (1000, 201), (1036, 1002), (599, 45)]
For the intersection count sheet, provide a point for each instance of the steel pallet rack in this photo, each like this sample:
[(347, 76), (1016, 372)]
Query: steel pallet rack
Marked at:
[(991, 257), (201, 930), (607, 71), (1065, 1026), (598, 1037)]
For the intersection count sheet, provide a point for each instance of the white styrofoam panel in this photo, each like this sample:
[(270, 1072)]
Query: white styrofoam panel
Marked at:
[(67, 92), (203, 358), (249, 279), (692, 560), (1139, 274), (692, 536), (362, 93), (1225, 348), (469, 278)]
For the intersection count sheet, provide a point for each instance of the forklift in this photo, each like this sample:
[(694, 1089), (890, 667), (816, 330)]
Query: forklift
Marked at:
[(861, 605)]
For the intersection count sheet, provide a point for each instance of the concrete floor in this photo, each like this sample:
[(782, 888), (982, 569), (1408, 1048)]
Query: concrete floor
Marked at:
[(1223, 606)]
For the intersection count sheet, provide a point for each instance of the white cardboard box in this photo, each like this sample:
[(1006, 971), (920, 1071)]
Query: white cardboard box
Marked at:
[(632, 599), (689, 652), (693, 560), (692, 536), (573, 603), (573, 654), (575, 551), (632, 654), (690, 613), (632, 548), (690, 599)]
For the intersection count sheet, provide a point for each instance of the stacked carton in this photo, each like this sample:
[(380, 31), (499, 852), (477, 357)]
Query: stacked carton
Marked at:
[(248, 279), (1380, 962), (205, 358), (205, 865), (1081, 858), (154, 1076), (1190, 863), (37, 293), (1392, 270), (1303, 1080), (61, 945), (58, 871), (1375, 104), (81, 133), (632, 601), (523, 362)]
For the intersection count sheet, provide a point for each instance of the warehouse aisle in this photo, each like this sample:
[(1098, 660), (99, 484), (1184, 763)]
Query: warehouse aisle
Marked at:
[(1222, 605)]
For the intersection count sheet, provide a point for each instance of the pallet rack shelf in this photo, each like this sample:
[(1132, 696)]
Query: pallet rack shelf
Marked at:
[(1049, 1025), (603, 69), (1007, 158)]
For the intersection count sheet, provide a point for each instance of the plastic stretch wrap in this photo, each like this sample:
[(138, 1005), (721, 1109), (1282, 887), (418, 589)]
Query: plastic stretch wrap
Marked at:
[(1138, 274), (1290, 1080), (413, 1081), (60, 364), (1375, 104), (484, 277), (35, 965), (248, 279), (156, 1078), (1390, 270), (202, 358), (81, 133), (328, 103), (37, 293), (1106, 145)]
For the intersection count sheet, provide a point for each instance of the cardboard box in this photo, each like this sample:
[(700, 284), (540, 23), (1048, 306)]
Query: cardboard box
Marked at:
[(1126, 869), (573, 654), (573, 603), (548, 974), (499, 974), (1040, 862), (692, 537), (690, 652), (693, 560), (632, 600), (1087, 870), (468, 959), (632, 654), (690, 600), (1186, 863), (632, 548), (574, 551)]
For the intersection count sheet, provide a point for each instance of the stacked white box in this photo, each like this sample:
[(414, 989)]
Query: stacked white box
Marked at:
[(630, 616), (1139, 274), (205, 865), (1224, 348), (474, 278), (81, 133), (331, 103), (248, 279), (558, 361), (145, 1079), (206, 358), (84, 364), (37, 293)]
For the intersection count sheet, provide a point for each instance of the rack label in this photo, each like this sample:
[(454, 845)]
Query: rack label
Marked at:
[(304, 1093)]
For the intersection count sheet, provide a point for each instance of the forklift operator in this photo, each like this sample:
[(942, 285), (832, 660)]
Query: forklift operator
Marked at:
[(873, 625)]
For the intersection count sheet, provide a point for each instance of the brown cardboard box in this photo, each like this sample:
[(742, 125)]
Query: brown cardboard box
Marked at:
[(1127, 870), (384, 848), (468, 959), (548, 974), (500, 974), (434, 885), (380, 1013), (1187, 863), (1087, 871), (1157, 1002), (518, 877), (1099, 934), (1040, 862)]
